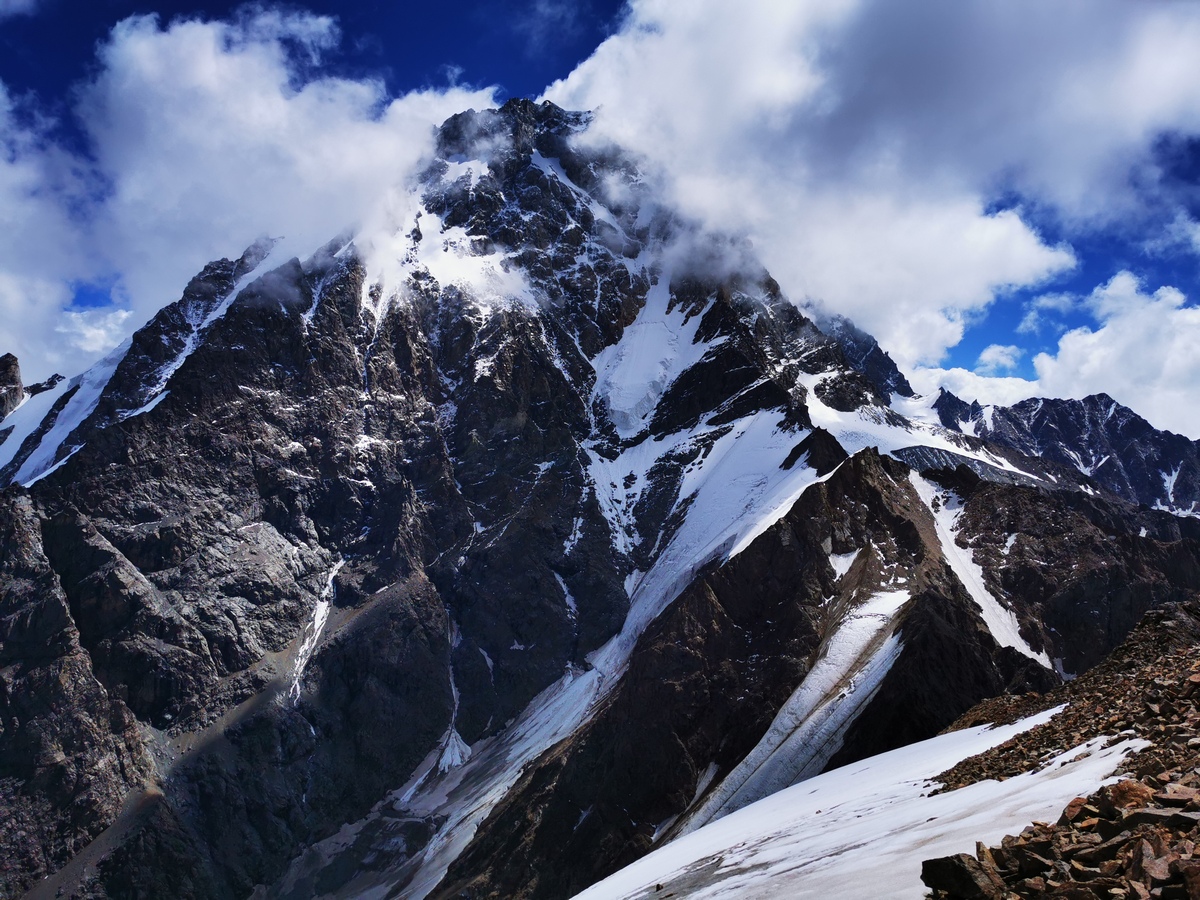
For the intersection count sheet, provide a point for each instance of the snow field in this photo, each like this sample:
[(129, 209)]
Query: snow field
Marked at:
[(862, 830)]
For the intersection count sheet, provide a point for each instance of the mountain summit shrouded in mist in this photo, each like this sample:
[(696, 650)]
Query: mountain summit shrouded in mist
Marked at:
[(522, 532), (1004, 196)]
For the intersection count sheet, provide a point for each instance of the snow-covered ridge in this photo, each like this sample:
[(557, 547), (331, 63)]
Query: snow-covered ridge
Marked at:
[(89, 386), (87, 390)]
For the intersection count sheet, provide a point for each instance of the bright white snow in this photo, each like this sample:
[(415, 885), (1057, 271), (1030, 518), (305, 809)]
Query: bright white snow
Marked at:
[(312, 632), (842, 562), (657, 348), (862, 830)]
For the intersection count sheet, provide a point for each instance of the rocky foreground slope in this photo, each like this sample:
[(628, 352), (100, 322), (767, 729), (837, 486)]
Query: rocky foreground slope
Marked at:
[(481, 555), (1134, 838)]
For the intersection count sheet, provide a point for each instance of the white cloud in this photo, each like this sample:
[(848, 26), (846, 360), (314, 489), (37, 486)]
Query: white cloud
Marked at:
[(206, 135), (1143, 354), (94, 331), (999, 390), (1040, 310), (997, 358), (42, 248), (17, 8), (859, 141)]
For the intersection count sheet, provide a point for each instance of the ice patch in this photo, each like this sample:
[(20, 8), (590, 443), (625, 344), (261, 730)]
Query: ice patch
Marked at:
[(842, 562), (455, 753), (573, 537), (1169, 483)]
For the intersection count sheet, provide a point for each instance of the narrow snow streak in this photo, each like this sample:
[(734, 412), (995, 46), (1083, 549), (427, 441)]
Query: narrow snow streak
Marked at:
[(312, 632), (193, 340), (946, 508), (811, 725)]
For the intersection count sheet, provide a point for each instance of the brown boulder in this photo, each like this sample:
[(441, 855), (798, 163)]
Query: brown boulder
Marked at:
[(961, 875)]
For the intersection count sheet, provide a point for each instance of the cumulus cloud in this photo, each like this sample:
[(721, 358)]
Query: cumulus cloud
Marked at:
[(861, 142), (998, 358), (43, 248), (1143, 354), (205, 135)]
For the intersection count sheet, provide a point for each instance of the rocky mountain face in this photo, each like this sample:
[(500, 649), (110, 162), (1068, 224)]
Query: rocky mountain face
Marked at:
[(480, 556), (1109, 443), (12, 390)]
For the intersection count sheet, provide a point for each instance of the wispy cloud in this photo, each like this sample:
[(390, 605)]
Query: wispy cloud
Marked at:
[(17, 8), (1041, 311), (545, 22)]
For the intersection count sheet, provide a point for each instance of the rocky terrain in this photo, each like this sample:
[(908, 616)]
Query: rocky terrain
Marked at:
[(479, 558), (1133, 838)]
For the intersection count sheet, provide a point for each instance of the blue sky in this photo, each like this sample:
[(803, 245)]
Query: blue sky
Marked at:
[(1007, 195), (519, 45)]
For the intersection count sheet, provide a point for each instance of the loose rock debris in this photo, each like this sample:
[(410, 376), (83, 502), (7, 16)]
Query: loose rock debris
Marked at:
[(1136, 838)]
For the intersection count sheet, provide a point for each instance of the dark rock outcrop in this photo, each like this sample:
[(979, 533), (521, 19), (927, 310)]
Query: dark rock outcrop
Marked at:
[(12, 390), (866, 356)]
